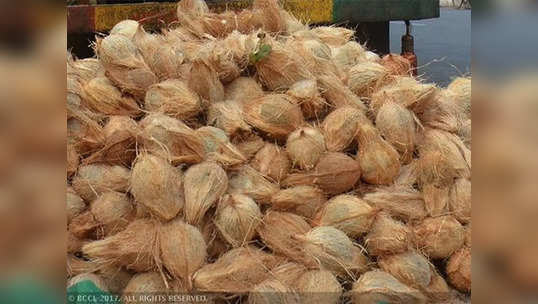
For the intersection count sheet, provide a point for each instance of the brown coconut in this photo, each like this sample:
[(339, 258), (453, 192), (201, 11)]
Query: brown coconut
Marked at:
[(436, 199), (348, 213), (216, 245), (438, 289), (307, 94), (302, 200), (84, 226), (272, 291), (120, 142), (204, 183), (221, 59), (92, 180), (335, 173), (276, 114), (460, 87), (439, 237), (218, 148), (410, 268), (272, 161), (319, 286), (73, 160), (228, 116), (204, 80), (337, 93), (136, 247), (174, 98), (373, 57), (288, 273), (74, 244), (237, 271), (277, 231), (76, 266), (366, 77), (458, 269), (341, 126), (468, 235), (95, 279), (396, 64), (348, 55), (270, 15), (408, 174), (442, 112), (87, 69), (171, 139), (250, 182), (404, 90), (316, 54), (398, 127), (74, 204), (332, 35), (387, 236), (292, 23), (115, 278), (380, 287), (156, 184), (459, 202), (305, 146), (249, 144), (85, 134), (127, 28), (465, 133), (237, 218), (144, 284), (402, 202), (113, 210), (183, 249), (379, 161), (243, 90)]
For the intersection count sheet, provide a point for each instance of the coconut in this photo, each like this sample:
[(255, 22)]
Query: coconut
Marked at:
[(272, 291), (218, 147), (319, 286), (240, 46), (468, 235), (157, 185), (316, 54), (348, 213), (252, 183), (84, 225), (408, 174), (204, 80), (237, 218), (460, 200), (276, 114), (341, 126), (216, 245), (127, 28), (404, 90), (288, 273), (380, 287), (397, 126), (272, 161), (74, 244), (372, 57), (243, 90), (178, 35), (135, 247), (331, 35), (74, 204), (84, 134), (237, 271), (120, 142), (277, 230), (270, 15), (396, 64), (115, 278), (465, 133), (171, 139), (458, 269), (335, 173), (410, 268), (183, 249), (292, 24), (439, 237), (438, 289), (348, 55), (92, 180), (442, 112), (378, 160), (461, 89), (403, 202), (95, 279), (249, 21), (113, 210), (76, 266), (387, 236), (249, 145), (87, 69), (436, 199), (222, 60), (102, 96), (219, 25), (302, 200), (228, 116), (365, 77), (144, 284), (174, 98), (307, 94), (305, 146), (337, 93)]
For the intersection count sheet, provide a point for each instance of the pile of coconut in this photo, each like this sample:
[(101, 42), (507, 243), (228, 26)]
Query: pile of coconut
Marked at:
[(252, 158)]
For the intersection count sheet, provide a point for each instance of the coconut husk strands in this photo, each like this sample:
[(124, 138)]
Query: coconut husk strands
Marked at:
[(377, 285), (237, 218), (173, 97), (228, 116), (218, 148), (92, 180), (341, 127), (301, 200), (249, 181), (272, 161), (387, 236), (306, 92), (402, 202), (305, 146)]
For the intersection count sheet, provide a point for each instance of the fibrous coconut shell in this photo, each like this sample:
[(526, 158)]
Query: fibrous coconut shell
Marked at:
[(218, 147), (305, 146), (398, 127), (302, 200), (341, 126), (468, 235), (237, 218), (380, 287), (410, 268), (288, 273), (307, 94), (319, 286), (348, 55), (127, 28), (436, 199), (228, 116), (396, 64), (92, 180), (243, 90), (439, 237), (85, 134), (272, 291), (113, 210), (461, 89), (116, 278), (76, 266), (404, 90), (221, 60), (387, 236), (249, 144), (458, 269), (173, 97), (337, 93), (74, 204), (204, 80), (335, 36), (272, 161), (442, 112), (402, 202), (365, 77), (147, 283), (250, 182), (87, 69), (438, 289), (84, 225), (459, 202)]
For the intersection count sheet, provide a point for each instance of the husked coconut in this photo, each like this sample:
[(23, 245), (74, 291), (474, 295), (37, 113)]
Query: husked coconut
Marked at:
[(319, 286), (366, 77), (92, 180), (302, 200), (387, 236), (85, 134), (116, 278), (73, 160), (272, 161), (307, 94), (410, 268), (84, 226), (404, 90), (468, 235), (204, 80), (250, 182), (380, 287), (439, 237), (442, 112), (398, 127), (316, 54), (145, 283), (228, 116), (305, 146), (74, 204), (341, 126), (102, 96), (249, 145), (113, 211), (436, 199), (458, 269), (333, 35), (87, 69), (237, 218), (127, 28), (221, 59), (272, 291), (243, 89), (396, 64), (218, 147), (438, 289), (76, 266), (348, 55), (288, 273), (337, 93), (459, 201), (403, 202), (461, 89), (172, 97)]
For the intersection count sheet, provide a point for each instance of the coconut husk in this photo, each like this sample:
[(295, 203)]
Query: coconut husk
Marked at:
[(468, 235), (404, 90), (365, 77), (316, 54), (272, 161), (92, 180), (387, 236), (465, 133), (439, 237), (87, 69), (228, 116), (222, 60), (218, 147), (144, 284), (288, 273), (239, 46), (269, 14), (174, 98), (277, 230), (74, 204), (348, 213), (190, 13), (410, 268), (301, 200), (378, 286), (460, 87), (136, 247), (305, 146), (272, 291), (219, 25), (292, 23), (74, 244), (398, 127), (408, 174), (319, 286), (341, 126), (171, 139), (379, 161), (307, 94), (442, 112), (348, 55), (334, 36), (402, 202), (237, 218), (436, 199), (120, 142), (156, 184), (243, 89), (438, 289), (396, 64), (337, 93), (115, 278), (249, 145), (204, 184), (76, 266), (84, 226), (95, 279), (335, 173), (85, 134), (177, 35), (249, 20), (216, 245), (372, 57), (458, 269), (237, 271), (113, 210), (204, 80), (127, 28), (183, 249), (276, 114)]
